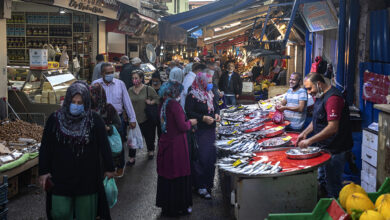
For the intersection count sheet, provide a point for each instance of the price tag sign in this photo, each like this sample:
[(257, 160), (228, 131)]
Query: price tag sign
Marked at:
[(231, 141), (279, 128), (238, 162), (287, 138), (269, 106), (234, 132)]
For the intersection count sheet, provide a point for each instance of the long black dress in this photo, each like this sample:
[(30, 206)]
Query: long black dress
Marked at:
[(76, 175)]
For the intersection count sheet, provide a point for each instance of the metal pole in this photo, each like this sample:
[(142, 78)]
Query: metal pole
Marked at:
[(265, 24), (341, 47), (353, 28), (291, 22), (308, 44)]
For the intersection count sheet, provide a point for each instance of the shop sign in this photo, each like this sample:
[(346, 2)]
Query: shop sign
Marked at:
[(38, 59), (319, 16), (106, 8), (376, 87), (129, 23)]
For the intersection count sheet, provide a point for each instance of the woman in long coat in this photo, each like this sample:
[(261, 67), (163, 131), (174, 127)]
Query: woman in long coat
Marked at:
[(73, 156), (173, 165), (200, 104)]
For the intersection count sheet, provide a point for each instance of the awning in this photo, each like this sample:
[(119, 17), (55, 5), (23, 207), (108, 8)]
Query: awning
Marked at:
[(194, 19), (145, 18)]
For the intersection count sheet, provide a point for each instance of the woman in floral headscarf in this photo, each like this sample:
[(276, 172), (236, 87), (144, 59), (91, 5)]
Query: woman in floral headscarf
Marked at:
[(174, 194), (111, 119), (73, 155), (200, 104)]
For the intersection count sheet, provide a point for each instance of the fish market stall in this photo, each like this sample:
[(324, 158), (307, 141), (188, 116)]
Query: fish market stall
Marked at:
[(260, 171)]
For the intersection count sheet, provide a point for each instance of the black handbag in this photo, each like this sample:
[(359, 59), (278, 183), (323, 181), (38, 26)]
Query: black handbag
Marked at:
[(151, 111), (193, 145)]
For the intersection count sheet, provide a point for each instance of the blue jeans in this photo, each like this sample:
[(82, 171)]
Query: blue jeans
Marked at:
[(330, 174), (230, 100)]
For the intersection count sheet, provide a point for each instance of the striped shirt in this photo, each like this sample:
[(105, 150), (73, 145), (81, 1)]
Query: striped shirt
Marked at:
[(297, 119)]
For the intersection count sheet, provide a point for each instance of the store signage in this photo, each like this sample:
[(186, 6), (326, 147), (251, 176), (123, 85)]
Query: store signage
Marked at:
[(106, 8), (38, 59), (319, 16), (129, 23), (376, 87)]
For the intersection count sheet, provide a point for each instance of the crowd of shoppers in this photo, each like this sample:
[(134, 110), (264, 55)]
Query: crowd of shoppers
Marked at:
[(75, 153)]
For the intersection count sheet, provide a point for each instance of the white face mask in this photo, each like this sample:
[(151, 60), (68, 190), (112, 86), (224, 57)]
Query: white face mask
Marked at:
[(320, 93), (178, 99)]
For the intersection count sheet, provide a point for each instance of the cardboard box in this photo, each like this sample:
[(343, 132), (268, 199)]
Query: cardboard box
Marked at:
[(38, 98), (38, 59)]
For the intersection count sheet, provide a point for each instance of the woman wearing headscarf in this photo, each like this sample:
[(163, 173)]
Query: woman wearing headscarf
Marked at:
[(174, 194), (140, 95), (73, 155), (176, 74), (200, 104), (111, 119)]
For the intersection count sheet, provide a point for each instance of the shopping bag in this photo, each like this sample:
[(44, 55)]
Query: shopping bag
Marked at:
[(278, 117), (115, 141), (111, 191), (134, 138)]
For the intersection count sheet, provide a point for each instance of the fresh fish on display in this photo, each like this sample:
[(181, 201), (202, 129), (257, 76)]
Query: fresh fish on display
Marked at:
[(257, 113), (305, 153), (240, 164), (276, 142), (254, 123), (272, 132), (234, 118), (228, 130)]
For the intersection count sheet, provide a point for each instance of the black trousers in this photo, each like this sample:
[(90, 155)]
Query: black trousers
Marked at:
[(148, 130)]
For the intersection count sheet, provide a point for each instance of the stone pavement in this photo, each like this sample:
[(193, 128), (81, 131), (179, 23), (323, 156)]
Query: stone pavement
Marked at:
[(136, 200)]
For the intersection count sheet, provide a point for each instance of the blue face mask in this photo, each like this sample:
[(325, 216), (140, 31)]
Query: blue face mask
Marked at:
[(76, 109), (209, 87), (109, 77)]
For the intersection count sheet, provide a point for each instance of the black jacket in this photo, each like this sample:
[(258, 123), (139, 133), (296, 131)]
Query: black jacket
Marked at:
[(235, 85), (125, 74)]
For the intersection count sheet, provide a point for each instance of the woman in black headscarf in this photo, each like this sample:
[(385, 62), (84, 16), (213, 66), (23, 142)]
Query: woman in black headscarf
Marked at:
[(111, 119), (74, 154)]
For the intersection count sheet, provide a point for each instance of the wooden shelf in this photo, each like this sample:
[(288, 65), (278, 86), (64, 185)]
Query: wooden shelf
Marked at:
[(37, 24), (23, 48), (60, 24), (17, 36), (39, 36), (59, 37)]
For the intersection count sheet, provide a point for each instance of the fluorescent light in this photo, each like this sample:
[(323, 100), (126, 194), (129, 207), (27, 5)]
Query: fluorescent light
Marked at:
[(62, 11)]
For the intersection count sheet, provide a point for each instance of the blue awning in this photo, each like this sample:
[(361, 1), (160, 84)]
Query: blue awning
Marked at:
[(194, 19)]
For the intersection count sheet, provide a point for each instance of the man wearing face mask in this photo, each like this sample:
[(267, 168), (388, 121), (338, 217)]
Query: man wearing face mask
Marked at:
[(331, 131), (231, 84), (118, 96)]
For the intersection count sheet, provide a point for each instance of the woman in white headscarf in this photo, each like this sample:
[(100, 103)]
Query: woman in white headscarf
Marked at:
[(176, 74)]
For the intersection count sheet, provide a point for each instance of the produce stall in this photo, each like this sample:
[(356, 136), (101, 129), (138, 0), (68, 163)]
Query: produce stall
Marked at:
[(19, 146), (260, 171)]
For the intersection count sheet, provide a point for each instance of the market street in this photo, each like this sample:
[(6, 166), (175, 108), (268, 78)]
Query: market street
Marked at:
[(136, 199)]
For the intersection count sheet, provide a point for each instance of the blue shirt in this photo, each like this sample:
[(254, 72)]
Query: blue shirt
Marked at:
[(297, 119)]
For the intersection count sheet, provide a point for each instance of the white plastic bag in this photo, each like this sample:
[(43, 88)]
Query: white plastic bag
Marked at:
[(134, 138)]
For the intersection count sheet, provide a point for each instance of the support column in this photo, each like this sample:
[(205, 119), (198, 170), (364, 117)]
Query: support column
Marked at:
[(3, 60), (341, 47)]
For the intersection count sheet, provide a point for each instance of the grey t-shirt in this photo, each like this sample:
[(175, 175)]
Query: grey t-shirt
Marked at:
[(97, 72)]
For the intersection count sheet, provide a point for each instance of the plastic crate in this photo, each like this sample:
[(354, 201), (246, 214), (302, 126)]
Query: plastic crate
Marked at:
[(4, 191), (326, 209), (329, 209)]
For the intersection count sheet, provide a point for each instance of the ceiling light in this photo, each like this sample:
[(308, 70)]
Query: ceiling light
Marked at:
[(62, 11)]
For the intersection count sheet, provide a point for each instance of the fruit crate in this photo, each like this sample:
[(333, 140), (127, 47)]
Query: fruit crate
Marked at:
[(329, 209), (326, 209)]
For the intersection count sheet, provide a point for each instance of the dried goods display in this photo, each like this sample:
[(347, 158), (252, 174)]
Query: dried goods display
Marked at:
[(18, 138), (13, 130)]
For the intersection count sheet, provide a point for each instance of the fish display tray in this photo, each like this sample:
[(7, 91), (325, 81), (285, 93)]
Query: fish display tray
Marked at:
[(315, 152)]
